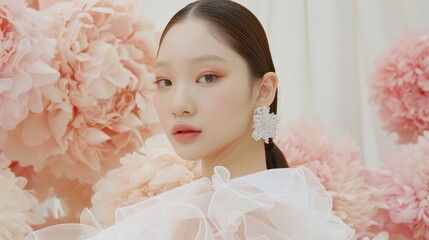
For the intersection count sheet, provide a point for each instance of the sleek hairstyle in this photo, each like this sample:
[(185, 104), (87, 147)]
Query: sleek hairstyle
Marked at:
[(238, 28)]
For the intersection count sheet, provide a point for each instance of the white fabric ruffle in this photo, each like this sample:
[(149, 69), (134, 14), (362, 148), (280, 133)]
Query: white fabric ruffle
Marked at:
[(288, 203)]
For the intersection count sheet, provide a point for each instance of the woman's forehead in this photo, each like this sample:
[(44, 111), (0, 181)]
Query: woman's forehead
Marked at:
[(193, 40)]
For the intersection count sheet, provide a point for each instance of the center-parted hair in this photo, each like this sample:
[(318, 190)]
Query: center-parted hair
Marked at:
[(236, 27)]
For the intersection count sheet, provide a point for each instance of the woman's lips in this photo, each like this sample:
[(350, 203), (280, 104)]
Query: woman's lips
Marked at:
[(185, 133)]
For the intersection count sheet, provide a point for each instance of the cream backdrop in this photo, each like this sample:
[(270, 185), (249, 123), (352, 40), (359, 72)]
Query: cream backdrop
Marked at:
[(324, 52)]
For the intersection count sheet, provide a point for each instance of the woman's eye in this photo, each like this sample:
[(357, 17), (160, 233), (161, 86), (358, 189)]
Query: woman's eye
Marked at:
[(207, 78), (163, 83)]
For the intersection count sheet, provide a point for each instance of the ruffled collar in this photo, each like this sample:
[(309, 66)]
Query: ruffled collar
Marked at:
[(272, 204)]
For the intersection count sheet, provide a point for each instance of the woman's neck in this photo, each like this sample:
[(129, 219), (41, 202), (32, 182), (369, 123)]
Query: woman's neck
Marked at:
[(241, 158)]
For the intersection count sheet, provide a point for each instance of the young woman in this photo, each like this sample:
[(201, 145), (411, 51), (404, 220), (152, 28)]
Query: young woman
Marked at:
[(215, 82), (214, 68)]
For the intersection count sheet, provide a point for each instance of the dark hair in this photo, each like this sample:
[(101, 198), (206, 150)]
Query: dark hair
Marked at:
[(238, 28)]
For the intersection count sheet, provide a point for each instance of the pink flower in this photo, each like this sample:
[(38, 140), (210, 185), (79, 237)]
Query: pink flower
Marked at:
[(151, 170), (400, 85), (404, 187), (105, 54), (26, 79), (340, 167), (16, 206)]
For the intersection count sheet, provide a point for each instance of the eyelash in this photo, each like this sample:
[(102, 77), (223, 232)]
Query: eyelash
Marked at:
[(216, 76), (208, 74), (158, 81)]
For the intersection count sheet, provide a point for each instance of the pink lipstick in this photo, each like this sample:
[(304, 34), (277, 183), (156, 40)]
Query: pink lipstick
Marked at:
[(185, 133)]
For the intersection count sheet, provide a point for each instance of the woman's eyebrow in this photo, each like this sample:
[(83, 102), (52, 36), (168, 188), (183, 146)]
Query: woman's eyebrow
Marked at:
[(209, 57), (203, 58)]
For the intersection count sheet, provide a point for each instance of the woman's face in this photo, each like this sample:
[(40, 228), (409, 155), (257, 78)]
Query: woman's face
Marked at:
[(204, 95)]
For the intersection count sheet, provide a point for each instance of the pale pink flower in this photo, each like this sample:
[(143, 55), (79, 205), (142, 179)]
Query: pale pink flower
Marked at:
[(338, 164), (26, 78), (16, 216), (404, 187), (105, 54), (153, 169), (400, 85)]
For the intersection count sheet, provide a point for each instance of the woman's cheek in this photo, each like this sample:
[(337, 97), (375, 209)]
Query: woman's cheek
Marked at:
[(161, 106)]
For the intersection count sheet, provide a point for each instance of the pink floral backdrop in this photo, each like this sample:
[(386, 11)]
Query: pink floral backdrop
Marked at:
[(77, 124)]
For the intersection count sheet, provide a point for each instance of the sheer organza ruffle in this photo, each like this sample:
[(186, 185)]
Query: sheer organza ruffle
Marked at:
[(273, 204)]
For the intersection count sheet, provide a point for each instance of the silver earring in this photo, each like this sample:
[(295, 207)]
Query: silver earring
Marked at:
[(264, 124)]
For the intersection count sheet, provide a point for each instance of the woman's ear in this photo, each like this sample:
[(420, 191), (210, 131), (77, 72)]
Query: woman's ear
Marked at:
[(266, 89)]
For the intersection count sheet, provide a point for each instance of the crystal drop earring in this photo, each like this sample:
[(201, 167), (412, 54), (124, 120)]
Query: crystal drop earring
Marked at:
[(264, 124)]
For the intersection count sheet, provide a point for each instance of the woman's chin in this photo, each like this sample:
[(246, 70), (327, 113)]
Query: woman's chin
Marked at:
[(188, 156), (187, 152)]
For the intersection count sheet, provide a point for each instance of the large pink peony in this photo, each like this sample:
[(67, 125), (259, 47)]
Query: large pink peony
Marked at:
[(404, 187), (340, 167), (400, 85), (26, 78), (151, 170), (105, 54), (16, 216)]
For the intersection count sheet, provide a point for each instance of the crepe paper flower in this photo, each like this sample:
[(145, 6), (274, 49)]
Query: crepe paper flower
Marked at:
[(340, 167), (16, 216), (400, 86), (26, 78), (151, 170), (105, 54), (404, 187)]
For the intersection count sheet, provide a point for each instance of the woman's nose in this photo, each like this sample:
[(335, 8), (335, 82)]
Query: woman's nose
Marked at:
[(182, 103)]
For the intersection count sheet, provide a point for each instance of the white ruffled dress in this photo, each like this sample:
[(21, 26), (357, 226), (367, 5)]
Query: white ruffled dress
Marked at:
[(286, 203)]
